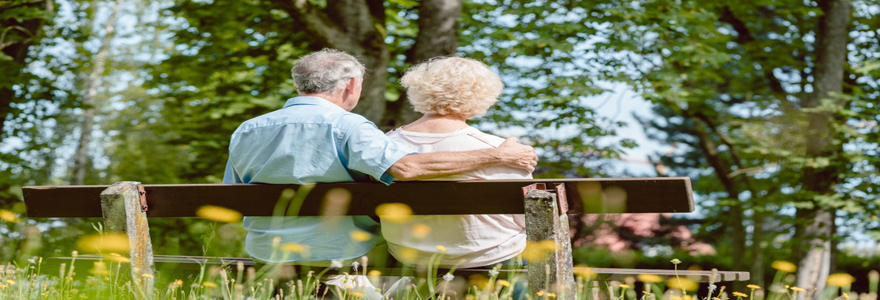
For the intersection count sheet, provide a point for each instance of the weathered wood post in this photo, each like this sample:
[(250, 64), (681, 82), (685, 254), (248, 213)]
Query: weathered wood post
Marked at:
[(124, 207), (547, 222)]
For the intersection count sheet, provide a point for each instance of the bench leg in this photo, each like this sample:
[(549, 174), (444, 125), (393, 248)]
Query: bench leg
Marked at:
[(123, 212), (546, 220)]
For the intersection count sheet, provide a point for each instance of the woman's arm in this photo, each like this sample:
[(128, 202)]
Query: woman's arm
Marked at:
[(440, 164)]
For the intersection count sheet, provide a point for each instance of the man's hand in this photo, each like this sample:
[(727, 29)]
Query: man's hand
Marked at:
[(513, 154)]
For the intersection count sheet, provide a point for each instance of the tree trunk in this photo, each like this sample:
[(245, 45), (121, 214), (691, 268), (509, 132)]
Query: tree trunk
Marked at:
[(92, 80), (831, 52), (358, 27), (735, 218), (17, 37), (438, 36), (757, 251)]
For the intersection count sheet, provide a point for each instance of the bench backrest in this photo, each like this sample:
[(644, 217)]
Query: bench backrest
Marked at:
[(588, 195)]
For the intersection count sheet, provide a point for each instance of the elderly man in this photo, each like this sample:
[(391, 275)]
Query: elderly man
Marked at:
[(315, 138)]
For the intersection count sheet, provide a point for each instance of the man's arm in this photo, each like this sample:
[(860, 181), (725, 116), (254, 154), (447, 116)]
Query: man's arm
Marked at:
[(440, 164)]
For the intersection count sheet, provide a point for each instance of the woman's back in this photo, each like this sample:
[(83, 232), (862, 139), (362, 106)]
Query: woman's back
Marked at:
[(477, 240)]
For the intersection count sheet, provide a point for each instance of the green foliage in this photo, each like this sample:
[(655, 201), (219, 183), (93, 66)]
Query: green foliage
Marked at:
[(541, 49), (730, 83)]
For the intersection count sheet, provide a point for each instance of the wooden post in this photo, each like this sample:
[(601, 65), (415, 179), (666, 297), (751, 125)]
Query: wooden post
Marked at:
[(124, 205), (547, 224)]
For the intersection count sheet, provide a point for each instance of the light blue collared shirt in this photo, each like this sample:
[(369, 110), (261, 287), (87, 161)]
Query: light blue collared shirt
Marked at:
[(310, 140)]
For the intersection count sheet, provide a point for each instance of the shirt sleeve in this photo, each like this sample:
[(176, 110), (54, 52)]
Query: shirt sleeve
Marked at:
[(230, 176), (368, 150)]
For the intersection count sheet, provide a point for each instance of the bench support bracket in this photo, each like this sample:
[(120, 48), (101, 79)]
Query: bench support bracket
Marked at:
[(548, 234), (123, 206)]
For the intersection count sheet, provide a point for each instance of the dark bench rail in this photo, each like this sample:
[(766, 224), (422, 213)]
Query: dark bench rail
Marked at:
[(602, 274), (642, 195)]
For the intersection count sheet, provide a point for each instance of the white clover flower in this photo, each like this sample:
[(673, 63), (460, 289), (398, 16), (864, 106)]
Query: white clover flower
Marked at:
[(335, 264), (675, 261), (493, 272), (448, 277), (712, 287), (355, 265)]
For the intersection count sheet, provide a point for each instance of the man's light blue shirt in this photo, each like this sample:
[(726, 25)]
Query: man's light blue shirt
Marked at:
[(310, 140)]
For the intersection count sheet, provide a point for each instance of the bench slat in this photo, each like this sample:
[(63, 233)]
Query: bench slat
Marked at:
[(603, 274), (642, 195)]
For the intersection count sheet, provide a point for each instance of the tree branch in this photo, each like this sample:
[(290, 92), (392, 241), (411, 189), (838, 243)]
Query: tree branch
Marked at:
[(327, 32), (744, 36)]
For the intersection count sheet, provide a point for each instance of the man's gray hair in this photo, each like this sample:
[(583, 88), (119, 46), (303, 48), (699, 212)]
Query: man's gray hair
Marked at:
[(325, 71)]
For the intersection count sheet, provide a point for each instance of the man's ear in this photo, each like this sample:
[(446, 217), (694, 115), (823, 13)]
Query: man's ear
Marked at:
[(349, 88), (352, 83)]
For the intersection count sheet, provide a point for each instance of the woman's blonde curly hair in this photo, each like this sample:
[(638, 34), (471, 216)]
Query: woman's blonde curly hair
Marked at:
[(452, 86)]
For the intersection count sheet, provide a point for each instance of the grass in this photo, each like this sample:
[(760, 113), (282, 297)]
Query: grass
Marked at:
[(109, 278)]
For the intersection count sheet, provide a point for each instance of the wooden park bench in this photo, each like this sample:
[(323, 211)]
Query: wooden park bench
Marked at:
[(126, 206)]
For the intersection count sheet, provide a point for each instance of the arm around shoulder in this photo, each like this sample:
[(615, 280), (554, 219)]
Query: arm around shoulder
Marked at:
[(440, 164)]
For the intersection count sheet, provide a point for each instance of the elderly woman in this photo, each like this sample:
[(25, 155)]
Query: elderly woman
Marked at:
[(450, 91)]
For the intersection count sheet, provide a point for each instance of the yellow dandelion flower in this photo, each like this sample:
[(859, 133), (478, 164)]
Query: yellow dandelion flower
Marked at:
[(294, 248), (209, 284), (551, 295), (754, 286), (8, 216), (845, 295), (148, 275), (784, 266), (624, 286), (360, 236), (374, 273), (536, 250), (115, 257), (218, 213), (650, 278), (541, 293), (10, 281), (682, 284), (738, 294), (797, 289), (394, 212), (408, 254), (104, 243), (357, 294), (503, 282), (441, 248), (100, 272), (421, 230), (584, 272), (178, 282), (840, 279), (2, 286)]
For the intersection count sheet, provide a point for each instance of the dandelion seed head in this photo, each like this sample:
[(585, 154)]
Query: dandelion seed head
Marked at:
[(335, 264)]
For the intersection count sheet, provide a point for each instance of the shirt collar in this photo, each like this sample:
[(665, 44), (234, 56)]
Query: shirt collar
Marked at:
[(309, 100)]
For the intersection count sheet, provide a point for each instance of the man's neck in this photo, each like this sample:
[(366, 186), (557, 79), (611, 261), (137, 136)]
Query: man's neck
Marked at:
[(335, 99), (437, 124)]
